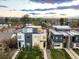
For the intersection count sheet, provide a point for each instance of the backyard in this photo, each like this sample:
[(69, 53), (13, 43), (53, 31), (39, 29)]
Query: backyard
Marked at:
[(59, 54), (76, 50), (30, 54)]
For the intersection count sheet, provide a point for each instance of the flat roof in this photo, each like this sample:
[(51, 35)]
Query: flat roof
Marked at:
[(61, 27), (72, 33), (64, 33), (34, 26), (56, 33)]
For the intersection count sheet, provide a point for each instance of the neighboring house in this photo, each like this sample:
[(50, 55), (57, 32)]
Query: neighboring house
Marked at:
[(56, 39), (64, 37), (32, 36)]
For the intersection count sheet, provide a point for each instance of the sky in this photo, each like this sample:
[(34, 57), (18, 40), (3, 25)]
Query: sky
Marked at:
[(41, 8)]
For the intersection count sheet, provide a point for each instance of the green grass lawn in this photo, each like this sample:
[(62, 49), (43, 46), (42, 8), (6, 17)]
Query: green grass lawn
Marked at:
[(76, 50), (30, 54), (59, 54)]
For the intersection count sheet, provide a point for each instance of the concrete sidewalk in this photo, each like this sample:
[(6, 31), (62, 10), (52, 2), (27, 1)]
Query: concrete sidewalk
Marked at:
[(48, 54), (45, 53), (71, 53), (77, 56), (15, 54)]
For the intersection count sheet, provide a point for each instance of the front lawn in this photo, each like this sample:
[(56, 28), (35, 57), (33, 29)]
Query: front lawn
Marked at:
[(76, 50), (30, 54), (59, 54)]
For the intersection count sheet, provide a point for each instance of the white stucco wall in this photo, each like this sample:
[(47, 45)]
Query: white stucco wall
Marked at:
[(74, 45), (21, 38), (58, 47)]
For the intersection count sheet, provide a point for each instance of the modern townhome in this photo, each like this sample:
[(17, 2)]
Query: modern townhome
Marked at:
[(32, 36), (64, 37)]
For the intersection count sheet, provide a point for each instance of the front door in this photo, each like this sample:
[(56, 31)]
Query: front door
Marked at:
[(43, 44)]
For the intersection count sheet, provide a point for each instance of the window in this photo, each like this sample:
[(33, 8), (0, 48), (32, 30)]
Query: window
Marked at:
[(44, 36), (76, 38), (61, 38), (56, 38), (40, 30), (35, 36), (28, 44), (29, 30), (56, 44), (28, 37), (36, 44)]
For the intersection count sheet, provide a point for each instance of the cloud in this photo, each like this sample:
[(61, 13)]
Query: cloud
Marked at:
[(38, 9), (3, 6), (3, 0), (69, 7), (58, 8), (34, 13), (26, 10), (51, 1), (33, 6), (51, 13)]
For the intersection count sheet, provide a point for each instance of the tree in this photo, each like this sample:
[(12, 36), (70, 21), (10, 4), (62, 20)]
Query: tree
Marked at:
[(61, 21), (74, 24), (43, 24), (24, 19), (6, 20)]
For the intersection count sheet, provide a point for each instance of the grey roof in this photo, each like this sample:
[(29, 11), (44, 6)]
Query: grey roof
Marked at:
[(56, 33), (65, 33), (72, 33), (62, 27)]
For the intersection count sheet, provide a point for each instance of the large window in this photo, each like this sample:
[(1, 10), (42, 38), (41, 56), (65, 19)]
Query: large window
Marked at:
[(58, 38), (29, 30), (57, 44), (75, 39)]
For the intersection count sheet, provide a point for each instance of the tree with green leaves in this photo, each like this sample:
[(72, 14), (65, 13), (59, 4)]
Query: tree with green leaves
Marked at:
[(43, 24), (61, 21)]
